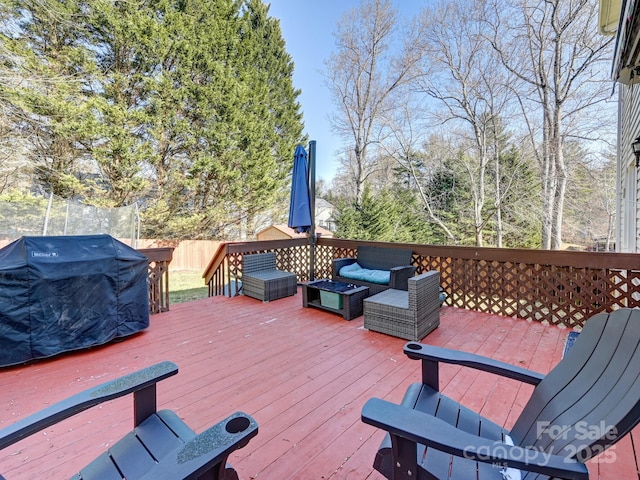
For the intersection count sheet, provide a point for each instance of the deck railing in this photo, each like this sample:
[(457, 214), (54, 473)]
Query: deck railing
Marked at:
[(558, 287), (158, 271)]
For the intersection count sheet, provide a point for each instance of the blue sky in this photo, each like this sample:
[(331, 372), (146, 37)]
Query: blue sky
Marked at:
[(307, 27)]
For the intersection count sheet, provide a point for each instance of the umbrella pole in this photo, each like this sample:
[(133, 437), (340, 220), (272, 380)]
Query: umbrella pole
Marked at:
[(312, 191)]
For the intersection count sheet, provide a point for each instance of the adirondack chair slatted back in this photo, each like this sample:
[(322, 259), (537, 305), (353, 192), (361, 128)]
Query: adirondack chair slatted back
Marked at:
[(591, 399)]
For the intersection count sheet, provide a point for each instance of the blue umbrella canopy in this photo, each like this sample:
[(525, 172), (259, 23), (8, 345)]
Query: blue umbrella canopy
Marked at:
[(300, 202)]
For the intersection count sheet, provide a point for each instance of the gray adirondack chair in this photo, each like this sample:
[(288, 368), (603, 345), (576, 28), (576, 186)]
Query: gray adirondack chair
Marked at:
[(587, 403), (161, 446)]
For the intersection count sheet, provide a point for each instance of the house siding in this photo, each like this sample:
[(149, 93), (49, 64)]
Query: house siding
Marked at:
[(628, 187)]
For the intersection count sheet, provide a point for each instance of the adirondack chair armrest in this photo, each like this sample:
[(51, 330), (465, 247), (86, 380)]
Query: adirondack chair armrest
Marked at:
[(141, 383), (408, 427), (431, 356)]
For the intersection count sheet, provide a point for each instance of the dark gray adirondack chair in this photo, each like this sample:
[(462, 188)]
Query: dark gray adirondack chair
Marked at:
[(161, 446), (589, 401)]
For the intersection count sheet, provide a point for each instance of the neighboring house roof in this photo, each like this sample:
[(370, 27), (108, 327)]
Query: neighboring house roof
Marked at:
[(322, 203), (283, 231), (324, 213)]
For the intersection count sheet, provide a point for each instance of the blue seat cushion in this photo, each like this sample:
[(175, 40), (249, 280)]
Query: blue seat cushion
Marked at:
[(356, 272), (443, 297)]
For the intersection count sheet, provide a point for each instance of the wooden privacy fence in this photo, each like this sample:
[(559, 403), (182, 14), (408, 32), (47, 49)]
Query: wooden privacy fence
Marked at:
[(558, 287), (187, 254)]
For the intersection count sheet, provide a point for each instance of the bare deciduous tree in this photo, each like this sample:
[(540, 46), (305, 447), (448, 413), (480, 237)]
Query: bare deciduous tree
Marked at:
[(591, 198), (404, 140), (472, 92), (551, 47), (362, 76)]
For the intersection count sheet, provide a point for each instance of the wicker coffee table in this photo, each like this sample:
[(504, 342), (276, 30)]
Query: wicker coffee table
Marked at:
[(336, 297)]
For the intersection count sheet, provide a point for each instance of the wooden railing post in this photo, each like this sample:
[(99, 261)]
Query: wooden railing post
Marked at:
[(159, 260)]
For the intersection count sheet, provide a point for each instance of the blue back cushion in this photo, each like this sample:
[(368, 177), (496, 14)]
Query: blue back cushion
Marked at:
[(356, 272)]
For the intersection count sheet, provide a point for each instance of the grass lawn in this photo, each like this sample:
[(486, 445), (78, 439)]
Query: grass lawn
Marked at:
[(185, 286)]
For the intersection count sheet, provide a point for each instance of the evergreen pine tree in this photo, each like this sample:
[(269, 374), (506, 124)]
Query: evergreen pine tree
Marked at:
[(187, 105)]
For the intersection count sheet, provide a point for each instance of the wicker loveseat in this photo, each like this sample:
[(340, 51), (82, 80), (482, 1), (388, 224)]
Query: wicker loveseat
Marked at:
[(378, 268)]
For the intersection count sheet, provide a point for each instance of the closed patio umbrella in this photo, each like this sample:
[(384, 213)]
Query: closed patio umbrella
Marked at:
[(300, 202)]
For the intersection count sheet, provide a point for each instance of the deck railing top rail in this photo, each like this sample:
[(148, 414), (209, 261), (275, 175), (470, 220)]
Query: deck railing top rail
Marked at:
[(514, 255)]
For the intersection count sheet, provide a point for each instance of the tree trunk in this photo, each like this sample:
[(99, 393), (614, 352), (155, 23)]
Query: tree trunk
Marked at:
[(561, 188), (498, 193)]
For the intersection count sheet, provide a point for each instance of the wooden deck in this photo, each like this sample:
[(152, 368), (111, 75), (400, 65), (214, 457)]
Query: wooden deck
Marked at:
[(303, 374)]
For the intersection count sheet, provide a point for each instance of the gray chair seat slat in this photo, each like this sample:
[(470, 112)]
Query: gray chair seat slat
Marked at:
[(489, 429), (102, 468), (212, 446), (438, 463), (469, 421), (466, 420), (130, 456), (157, 438), (177, 426)]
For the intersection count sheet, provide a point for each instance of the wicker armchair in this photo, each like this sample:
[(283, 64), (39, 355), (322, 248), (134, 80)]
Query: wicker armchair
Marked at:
[(408, 314), (261, 279)]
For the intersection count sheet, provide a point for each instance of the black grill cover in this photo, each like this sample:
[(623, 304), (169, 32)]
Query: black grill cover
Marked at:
[(65, 293)]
